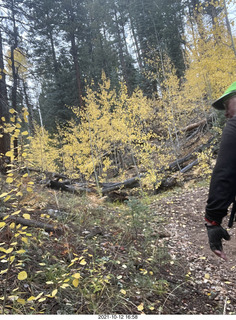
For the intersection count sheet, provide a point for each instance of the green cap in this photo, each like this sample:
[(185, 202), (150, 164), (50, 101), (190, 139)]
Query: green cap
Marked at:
[(229, 92)]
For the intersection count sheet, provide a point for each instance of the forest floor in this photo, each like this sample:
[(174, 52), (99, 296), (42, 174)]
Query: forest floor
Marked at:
[(150, 256), (211, 285)]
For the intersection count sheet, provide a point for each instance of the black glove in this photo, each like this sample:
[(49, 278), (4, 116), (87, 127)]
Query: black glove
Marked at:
[(215, 235)]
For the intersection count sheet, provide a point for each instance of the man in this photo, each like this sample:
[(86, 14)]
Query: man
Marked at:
[(222, 189)]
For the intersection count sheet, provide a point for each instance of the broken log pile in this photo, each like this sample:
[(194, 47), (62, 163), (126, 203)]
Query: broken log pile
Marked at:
[(181, 165)]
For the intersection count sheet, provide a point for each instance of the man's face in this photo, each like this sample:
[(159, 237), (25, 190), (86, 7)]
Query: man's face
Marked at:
[(230, 107)]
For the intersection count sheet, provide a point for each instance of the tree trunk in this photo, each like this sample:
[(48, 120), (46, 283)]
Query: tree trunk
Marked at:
[(121, 54), (4, 112), (139, 58), (229, 28), (77, 68), (29, 108)]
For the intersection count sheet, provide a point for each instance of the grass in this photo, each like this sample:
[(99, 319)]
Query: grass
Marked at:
[(120, 270)]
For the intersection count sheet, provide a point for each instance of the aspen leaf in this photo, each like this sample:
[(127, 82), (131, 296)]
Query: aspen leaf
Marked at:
[(25, 175), (21, 301), (65, 285), (9, 180), (83, 262), (32, 298), (3, 195), (16, 213), (39, 295), (25, 240), (123, 291), (12, 111), (3, 119), (29, 189), (26, 216), (22, 275), (75, 283), (20, 251), (42, 299), (76, 275), (140, 307), (4, 271), (12, 225), (207, 276), (7, 198), (9, 250), (2, 224), (25, 133), (54, 292)]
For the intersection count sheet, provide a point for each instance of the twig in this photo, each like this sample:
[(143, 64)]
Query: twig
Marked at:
[(162, 307)]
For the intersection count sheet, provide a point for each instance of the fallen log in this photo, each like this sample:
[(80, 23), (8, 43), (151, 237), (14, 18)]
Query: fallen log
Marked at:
[(33, 223), (129, 184), (194, 125)]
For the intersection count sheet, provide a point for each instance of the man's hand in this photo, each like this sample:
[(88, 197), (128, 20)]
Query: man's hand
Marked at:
[(215, 236)]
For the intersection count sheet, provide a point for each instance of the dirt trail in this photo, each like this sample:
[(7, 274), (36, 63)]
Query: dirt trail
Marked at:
[(211, 288)]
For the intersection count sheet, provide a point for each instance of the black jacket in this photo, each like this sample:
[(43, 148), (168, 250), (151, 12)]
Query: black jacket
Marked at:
[(223, 181)]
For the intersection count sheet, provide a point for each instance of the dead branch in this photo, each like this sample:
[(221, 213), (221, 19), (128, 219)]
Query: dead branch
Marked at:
[(33, 223), (194, 125)]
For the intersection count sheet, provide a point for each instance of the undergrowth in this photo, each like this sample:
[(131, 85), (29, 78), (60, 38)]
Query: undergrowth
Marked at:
[(108, 259)]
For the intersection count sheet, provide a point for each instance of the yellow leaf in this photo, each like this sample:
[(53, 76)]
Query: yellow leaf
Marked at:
[(12, 259), (65, 285), (83, 262), (3, 195), (31, 298), (7, 198), (18, 125), (29, 189), (22, 275), (12, 225), (12, 111), (76, 275), (39, 295), (25, 175), (207, 276), (21, 301), (42, 299), (2, 224), (16, 212), (26, 216), (75, 283), (24, 239), (49, 282), (20, 251), (25, 133), (9, 250), (4, 271), (122, 291), (54, 292), (140, 307), (3, 119), (9, 180)]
